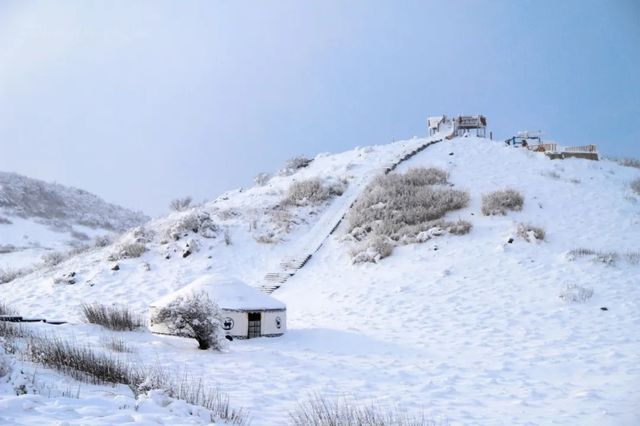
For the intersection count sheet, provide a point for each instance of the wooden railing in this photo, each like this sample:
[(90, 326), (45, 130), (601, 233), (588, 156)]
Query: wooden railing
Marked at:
[(583, 148)]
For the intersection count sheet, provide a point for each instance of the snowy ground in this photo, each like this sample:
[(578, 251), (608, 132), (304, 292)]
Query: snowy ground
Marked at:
[(465, 329)]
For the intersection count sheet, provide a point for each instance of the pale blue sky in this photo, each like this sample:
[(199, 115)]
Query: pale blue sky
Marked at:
[(144, 101)]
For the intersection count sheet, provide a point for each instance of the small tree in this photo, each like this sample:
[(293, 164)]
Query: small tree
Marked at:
[(180, 204), (261, 179), (195, 316)]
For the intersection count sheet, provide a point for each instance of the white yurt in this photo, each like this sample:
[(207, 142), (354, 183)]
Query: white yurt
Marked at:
[(247, 312)]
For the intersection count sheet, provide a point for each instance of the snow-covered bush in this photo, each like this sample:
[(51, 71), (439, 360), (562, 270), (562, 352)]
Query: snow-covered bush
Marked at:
[(310, 191), (294, 164), (395, 207), (574, 293), (499, 202), (635, 186), (420, 176), (53, 258), (197, 221), (180, 204), (530, 232), (128, 250), (113, 317), (459, 227), (5, 363), (102, 241), (372, 250), (404, 208), (261, 179), (194, 316), (5, 221)]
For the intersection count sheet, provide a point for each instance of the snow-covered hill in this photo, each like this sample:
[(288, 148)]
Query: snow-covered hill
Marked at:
[(467, 329), (38, 217)]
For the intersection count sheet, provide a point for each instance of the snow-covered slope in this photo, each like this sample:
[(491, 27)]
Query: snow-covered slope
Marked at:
[(37, 217), (466, 329)]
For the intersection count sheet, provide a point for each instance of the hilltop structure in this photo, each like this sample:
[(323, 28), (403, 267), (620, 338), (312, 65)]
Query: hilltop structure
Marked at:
[(462, 125)]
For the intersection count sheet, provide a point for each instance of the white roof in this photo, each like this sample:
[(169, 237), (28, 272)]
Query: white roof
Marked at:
[(434, 121), (229, 293)]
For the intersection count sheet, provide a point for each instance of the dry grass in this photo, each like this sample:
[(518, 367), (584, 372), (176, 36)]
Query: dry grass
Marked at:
[(499, 202), (118, 318), (321, 411)]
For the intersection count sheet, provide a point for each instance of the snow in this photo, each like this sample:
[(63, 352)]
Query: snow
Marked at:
[(37, 218), (227, 292), (466, 329)]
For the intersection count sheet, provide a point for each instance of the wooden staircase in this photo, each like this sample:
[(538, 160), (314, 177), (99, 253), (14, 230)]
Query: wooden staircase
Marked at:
[(288, 267)]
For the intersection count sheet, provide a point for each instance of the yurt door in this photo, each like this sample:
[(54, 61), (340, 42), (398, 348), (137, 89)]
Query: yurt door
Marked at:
[(254, 324)]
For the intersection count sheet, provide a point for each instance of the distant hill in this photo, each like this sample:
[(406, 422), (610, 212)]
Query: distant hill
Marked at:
[(38, 216)]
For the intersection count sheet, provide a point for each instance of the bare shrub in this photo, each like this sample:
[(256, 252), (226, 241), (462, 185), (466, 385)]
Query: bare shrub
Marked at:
[(635, 186), (194, 316), (261, 179), (310, 191), (117, 318), (574, 293), (629, 162), (530, 232), (180, 204), (53, 258), (294, 164), (321, 411), (459, 227), (499, 202), (128, 250)]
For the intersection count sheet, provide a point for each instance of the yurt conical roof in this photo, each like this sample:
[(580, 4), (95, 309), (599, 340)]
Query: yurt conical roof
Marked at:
[(228, 292)]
